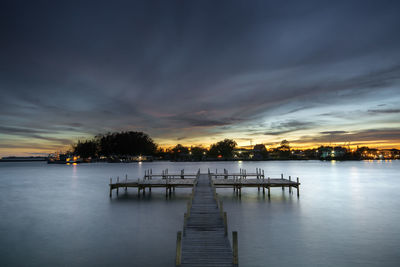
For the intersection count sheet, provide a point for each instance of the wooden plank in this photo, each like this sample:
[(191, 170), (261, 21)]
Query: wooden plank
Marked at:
[(204, 242)]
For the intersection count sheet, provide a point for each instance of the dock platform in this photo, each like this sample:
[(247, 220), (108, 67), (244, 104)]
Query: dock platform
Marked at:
[(236, 181)]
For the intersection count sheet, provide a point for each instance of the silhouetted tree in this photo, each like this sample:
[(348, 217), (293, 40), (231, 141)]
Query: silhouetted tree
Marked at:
[(197, 152), (86, 149), (284, 150), (260, 152), (223, 148), (180, 152), (126, 144)]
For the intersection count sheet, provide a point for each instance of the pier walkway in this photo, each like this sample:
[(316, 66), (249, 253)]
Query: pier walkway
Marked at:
[(205, 241)]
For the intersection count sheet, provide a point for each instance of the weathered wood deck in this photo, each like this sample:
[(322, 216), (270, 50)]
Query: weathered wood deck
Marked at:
[(237, 181), (205, 241)]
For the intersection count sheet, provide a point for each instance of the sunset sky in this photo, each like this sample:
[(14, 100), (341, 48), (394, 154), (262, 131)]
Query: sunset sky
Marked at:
[(196, 72)]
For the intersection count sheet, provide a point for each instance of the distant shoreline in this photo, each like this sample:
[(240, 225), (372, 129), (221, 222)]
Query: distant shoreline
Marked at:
[(223, 160), (23, 159)]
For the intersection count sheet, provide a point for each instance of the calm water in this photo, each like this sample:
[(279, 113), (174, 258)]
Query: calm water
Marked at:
[(348, 214)]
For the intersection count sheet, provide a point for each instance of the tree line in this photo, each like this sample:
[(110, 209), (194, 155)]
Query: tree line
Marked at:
[(123, 144), (130, 144)]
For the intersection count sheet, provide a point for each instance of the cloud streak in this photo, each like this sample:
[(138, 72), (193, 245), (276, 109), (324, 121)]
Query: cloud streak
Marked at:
[(202, 70)]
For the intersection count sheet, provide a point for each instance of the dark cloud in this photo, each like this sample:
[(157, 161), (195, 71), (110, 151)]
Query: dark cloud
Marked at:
[(287, 127), (166, 67), (380, 135), (384, 111), (334, 132)]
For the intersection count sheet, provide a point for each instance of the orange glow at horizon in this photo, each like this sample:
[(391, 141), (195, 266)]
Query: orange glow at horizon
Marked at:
[(168, 144)]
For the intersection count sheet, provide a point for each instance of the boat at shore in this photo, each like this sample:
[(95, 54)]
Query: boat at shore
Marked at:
[(64, 159)]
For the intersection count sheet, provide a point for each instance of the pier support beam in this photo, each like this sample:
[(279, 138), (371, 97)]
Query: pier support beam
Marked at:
[(298, 189), (126, 182), (117, 185), (110, 187)]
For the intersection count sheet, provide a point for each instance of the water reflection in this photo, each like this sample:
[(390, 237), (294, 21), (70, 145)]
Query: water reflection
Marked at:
[(347, 215)]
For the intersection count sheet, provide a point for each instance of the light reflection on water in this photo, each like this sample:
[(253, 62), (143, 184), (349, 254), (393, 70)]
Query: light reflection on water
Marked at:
[(347, 215)]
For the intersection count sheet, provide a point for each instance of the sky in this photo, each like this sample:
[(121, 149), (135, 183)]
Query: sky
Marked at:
[(196, 72)]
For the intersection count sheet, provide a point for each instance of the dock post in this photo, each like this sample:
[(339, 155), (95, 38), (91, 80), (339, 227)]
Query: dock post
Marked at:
[(178, 248), (298, 189), (117, 185), (110, 187), (126, 182), (235, 248), (290, 187), (283, 188), (226, 224), (269, 187)]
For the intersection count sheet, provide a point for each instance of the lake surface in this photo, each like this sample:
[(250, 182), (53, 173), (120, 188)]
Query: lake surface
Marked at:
[(348, 214)]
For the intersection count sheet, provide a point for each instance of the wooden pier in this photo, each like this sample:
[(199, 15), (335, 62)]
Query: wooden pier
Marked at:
[(236, 181), (205, 241)]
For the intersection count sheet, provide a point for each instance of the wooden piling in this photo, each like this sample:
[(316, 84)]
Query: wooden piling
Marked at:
[(110, 187), (126, 182), (178, 248), (117, 185), (298, 189), (235, 248), (269, 187), (290, 187)]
